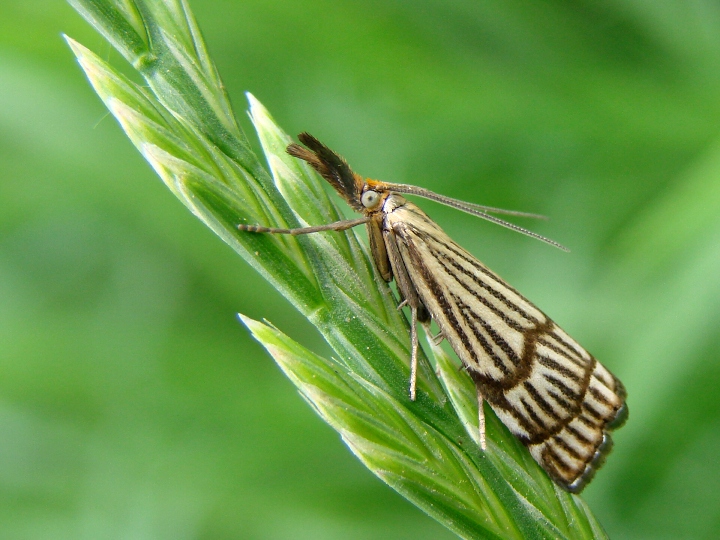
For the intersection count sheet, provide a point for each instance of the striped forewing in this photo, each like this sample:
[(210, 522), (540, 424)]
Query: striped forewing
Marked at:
[(549, 391)]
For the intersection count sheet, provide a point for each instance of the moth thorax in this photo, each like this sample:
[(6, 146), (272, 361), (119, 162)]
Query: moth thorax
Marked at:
[(392, 202)]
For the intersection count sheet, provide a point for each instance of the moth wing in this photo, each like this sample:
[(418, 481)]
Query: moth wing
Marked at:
[(550, 392)]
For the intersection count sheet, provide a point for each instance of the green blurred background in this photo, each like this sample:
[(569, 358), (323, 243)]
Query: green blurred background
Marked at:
[(134, 405)]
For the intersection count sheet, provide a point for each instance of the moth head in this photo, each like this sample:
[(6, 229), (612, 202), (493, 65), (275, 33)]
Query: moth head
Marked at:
[(332, 167)]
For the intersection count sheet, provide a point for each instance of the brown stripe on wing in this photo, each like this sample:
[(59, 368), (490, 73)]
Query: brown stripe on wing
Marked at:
[(481, 298), (547, 342), (560, 400), (482, 327), (530, 422), (564, 370), (483, 339), (478, 345), (459, 253), (565, 390), (572, 455), (479, 278), (547, 392), (435, 299), (531, 414), (561, 337)]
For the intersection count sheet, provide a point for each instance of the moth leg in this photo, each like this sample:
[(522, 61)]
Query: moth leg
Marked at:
[(409, 295), (481, 420), (414, 353), (439, 338)]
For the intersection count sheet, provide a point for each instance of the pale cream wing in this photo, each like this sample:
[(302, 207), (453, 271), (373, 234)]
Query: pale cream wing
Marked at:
[(549, 391)]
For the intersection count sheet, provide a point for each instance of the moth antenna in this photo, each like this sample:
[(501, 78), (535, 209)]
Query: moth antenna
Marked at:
[(502, 211), (477, 210), (521, 230)]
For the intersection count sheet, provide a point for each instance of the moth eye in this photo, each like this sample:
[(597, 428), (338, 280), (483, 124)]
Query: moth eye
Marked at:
[(370, 198)]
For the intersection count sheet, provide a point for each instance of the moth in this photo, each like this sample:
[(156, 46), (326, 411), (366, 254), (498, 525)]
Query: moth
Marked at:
[(549, 391)]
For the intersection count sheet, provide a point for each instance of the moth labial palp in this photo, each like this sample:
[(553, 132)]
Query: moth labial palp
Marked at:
[(549, 391)]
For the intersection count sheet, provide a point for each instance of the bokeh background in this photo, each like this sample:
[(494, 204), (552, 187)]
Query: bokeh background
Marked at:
[(134, 405)]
